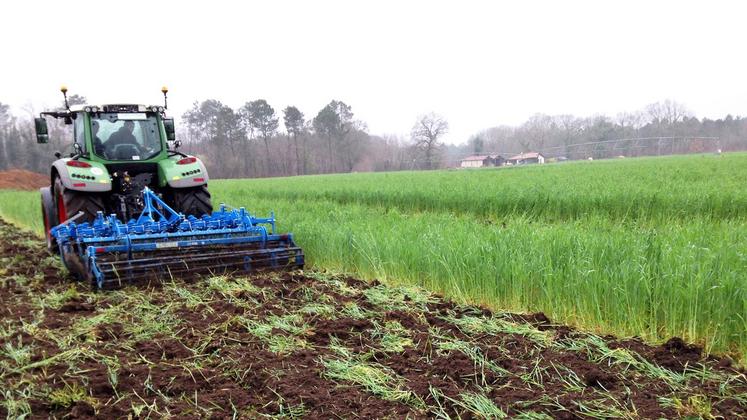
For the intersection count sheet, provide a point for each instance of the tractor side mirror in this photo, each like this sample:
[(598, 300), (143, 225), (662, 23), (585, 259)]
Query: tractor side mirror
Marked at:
[(42, 132), (168, 126)]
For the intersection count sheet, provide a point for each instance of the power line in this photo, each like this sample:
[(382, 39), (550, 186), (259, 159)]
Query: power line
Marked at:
[(627, 144), (633, 139)]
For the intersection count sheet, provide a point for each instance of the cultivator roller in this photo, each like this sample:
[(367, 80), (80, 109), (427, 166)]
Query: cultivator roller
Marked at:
[(161, 244)]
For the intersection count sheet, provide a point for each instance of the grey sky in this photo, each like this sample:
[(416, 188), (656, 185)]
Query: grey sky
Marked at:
[(480, 64)]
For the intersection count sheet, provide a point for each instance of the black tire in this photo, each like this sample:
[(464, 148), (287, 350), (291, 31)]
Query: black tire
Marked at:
[(49, 216), (68, 203), (193, 201)]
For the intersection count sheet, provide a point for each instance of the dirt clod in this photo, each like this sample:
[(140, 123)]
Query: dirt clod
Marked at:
[(597, 378)]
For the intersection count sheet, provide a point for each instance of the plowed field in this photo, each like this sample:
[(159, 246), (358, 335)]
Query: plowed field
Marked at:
[(20, 179), (319, 345)]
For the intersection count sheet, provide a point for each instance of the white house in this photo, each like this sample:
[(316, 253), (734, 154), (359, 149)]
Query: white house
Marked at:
[(526, 158), (480, 161)]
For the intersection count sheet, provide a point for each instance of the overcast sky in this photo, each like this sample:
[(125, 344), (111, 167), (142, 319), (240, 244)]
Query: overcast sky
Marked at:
[(480, 64)]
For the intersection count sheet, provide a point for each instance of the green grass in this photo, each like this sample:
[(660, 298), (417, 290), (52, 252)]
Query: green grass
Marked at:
[(653, 247), (22, 208), (644, 188)]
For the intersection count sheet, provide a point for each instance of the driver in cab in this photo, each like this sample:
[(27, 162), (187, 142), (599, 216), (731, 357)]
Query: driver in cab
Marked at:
[(124, 138)]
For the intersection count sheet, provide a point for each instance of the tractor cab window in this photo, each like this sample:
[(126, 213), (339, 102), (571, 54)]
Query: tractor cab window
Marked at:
[(79, 131), (125, 136)]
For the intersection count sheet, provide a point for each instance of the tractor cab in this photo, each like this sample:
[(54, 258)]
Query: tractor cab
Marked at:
[(115, 133), (123, 136)]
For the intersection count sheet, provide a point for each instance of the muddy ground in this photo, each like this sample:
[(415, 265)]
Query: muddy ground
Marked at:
[(318, 345), (21, 179)]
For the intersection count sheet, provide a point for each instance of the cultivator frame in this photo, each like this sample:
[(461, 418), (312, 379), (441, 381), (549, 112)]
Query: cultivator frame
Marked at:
[(162, 243)]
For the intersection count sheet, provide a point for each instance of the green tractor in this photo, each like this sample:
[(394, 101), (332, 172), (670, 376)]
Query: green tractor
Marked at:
[(125, 206), (118, 150)]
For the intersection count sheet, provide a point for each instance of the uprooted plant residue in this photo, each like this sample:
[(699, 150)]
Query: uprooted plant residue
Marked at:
[(318, 345)]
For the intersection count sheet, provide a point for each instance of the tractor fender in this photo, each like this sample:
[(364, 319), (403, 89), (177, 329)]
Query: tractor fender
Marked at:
[(91, 179), (182, 176)]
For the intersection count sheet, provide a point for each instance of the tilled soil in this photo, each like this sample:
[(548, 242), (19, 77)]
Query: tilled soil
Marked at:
[(318, 345), (21, 179)]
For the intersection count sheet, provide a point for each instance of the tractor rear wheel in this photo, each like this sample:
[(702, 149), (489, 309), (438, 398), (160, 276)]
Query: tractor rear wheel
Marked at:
[(50, 218), (70, 202), (193, 201)]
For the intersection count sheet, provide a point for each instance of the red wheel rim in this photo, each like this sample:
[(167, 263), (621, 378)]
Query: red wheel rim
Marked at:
[(61, 212)]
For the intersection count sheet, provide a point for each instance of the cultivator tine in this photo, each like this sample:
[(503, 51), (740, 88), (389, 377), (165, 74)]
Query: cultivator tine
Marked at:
[(110, 253), (213, 262)]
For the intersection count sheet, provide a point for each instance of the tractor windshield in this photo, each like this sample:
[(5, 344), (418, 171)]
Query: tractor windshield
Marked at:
[(125, 136)]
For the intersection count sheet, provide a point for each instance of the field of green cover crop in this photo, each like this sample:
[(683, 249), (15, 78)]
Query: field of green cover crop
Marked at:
[(650, 247)]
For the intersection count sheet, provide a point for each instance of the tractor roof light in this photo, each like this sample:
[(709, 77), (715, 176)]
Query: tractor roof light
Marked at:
[(165, 90), (187, 160), (78, 164), (63, 89)]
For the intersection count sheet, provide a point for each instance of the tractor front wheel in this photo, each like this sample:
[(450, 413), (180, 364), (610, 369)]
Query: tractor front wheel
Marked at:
[(193, 201), (70, 203), (50, 218)]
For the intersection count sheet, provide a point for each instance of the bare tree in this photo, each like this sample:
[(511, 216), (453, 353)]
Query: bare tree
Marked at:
[(571, 127), (426, 134), (667, 112), (294, 125), (500, 139), (335, 122), (536, 132), (75, 99), (260, 118), (632, 120)]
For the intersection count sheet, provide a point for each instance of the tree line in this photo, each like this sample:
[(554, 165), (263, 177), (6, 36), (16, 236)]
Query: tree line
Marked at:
[(660, 128), (255, 140)]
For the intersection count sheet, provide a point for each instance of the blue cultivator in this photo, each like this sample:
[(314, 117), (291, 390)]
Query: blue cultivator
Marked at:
[(162, 243)]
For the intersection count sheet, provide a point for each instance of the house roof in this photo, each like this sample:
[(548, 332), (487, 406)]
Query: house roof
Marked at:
[(480, 157), (528, 155), (476, 157)]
